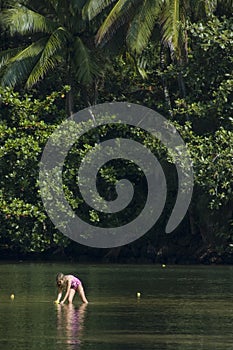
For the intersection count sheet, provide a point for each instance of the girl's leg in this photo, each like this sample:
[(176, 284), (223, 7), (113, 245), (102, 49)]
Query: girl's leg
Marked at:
[(82, 294), (71, 296)]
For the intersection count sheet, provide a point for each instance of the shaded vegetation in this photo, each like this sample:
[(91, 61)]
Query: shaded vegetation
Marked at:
[(178, 63)]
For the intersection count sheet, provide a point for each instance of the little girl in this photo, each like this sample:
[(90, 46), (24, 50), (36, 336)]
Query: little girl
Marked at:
[(72, 285)]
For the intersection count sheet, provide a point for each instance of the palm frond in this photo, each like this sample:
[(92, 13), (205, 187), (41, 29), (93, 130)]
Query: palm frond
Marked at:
[(93, 7), (141, 65), (142, 25), (22, 20), (6, 55), (21, 64), (76, 6), (50, 56), (171, 23), (121, 12), (170, 20), (85, 65)]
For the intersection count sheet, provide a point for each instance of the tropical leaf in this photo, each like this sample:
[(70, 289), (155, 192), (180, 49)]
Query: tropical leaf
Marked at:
[(50, 56), (6, 55), (18, 66), (141, 65), (142, 25), (173, 20), (60, 23), (92, 8), (121, 12), (170, 21), (84, 64), (76, 6), (22, 20)]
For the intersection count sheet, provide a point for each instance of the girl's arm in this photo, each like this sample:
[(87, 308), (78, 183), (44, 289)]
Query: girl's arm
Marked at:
[(67, 291), (59, 296)]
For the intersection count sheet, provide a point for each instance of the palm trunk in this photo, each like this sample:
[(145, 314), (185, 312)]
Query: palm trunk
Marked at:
[(164, 82), (181, 61), (181, 85), (70, 95), (70, 102)]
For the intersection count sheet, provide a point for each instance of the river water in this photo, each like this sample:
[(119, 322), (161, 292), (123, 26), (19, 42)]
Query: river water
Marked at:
[(181, 307)]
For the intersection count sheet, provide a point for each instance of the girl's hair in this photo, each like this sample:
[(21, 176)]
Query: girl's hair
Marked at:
[(59, 279)]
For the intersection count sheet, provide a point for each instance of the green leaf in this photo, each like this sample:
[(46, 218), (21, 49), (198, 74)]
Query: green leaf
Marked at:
[(22, 63), (120, 13), (142, 26), (22, 20), (50, 56), (83, 62), (92, 8)]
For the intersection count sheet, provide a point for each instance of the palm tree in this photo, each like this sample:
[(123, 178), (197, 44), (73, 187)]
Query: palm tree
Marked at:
[(143, 18), (58, 36)]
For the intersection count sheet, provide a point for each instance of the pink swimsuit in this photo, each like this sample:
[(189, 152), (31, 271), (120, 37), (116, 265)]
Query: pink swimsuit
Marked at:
[(75, 282)]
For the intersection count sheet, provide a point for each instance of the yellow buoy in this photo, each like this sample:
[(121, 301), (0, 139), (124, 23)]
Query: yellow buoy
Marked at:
[(163, 265), (12, 296), (138, 294)]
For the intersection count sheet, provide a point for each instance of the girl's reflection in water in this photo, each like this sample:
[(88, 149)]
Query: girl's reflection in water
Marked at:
[(70, 324)]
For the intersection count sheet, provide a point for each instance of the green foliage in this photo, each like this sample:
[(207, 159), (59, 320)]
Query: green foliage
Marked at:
[(208, 107), (25, 126), (54, 35), (198, 98)]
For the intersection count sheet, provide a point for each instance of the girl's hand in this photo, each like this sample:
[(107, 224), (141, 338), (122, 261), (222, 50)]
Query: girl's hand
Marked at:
[(62, 302)]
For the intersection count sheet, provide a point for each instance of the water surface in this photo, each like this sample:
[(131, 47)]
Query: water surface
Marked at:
[(181, 307)]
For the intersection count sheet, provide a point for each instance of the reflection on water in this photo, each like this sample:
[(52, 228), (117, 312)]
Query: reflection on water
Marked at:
[(181, 308), (70, 324)]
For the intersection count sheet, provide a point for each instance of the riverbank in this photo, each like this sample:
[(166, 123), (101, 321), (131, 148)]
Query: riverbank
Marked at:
[(129, 254)]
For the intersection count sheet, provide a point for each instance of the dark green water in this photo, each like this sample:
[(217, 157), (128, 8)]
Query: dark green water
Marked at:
[(180, 308)]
